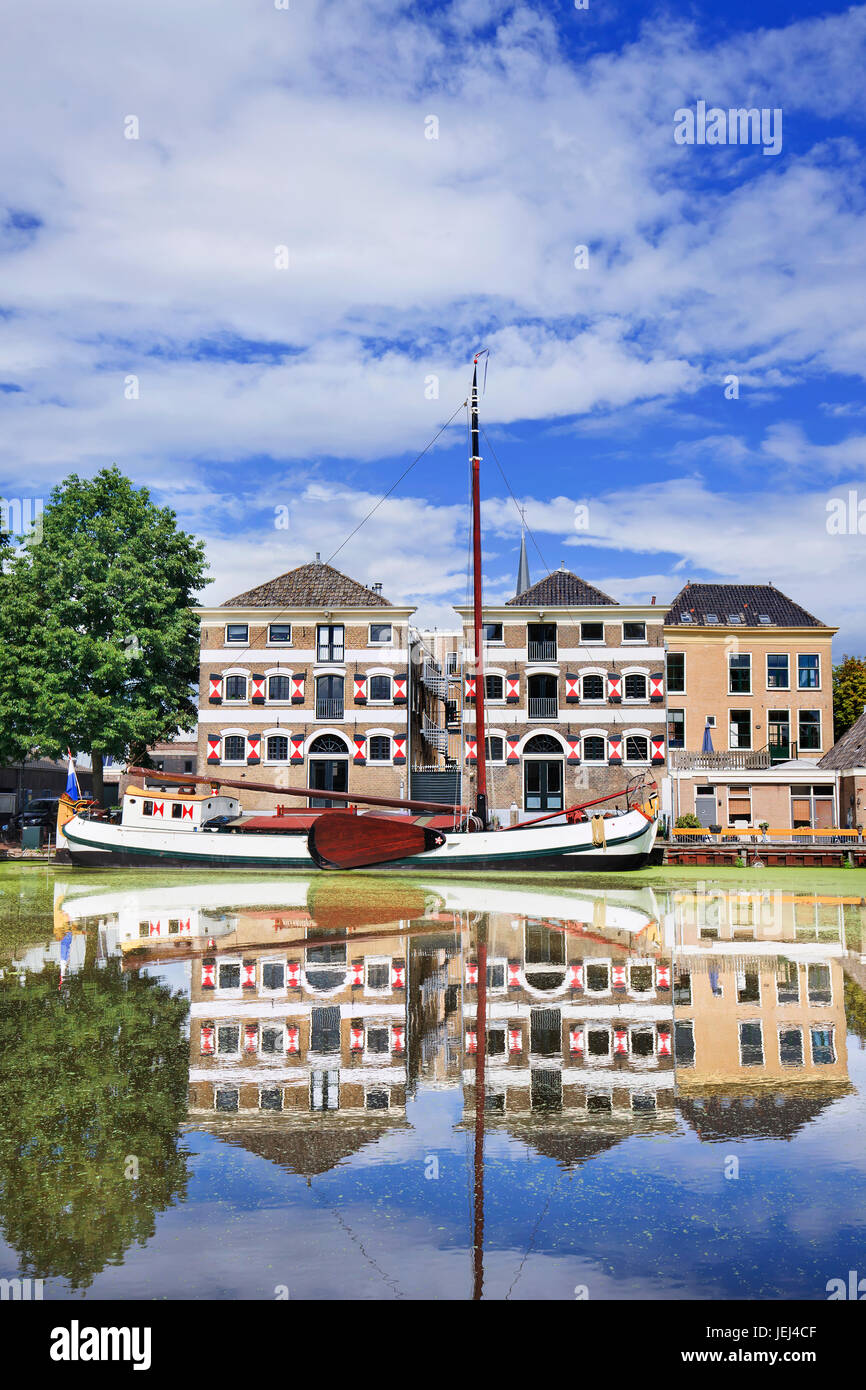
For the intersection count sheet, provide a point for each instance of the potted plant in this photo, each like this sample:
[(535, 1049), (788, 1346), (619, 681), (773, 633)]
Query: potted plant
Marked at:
[(763, 826)]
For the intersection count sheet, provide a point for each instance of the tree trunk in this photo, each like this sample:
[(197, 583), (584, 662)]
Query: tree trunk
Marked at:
[(98, 792)]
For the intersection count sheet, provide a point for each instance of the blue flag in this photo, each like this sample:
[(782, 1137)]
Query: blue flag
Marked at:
[(72, 788)]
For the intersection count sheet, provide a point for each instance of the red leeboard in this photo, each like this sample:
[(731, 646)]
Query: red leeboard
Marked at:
[(338, 841)]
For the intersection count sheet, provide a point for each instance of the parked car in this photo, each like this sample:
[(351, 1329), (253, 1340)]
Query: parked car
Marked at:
[(42, 810)]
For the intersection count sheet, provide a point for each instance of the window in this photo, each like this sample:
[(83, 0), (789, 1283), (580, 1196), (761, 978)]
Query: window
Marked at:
[(544, 944), (818, 984), (494, 1102), (494, 748), (642, 1042), (823, 1052), (237, 632), (329, 642), (378, 1098), (279, 687), (788, 983), (496, 975), (809, 728), (494, 688), (676, 672), (541, 641), (492, 632), (636, 749), (281, 633), (634, 632), (635, 687), (711, 619), (325, 1030), (380, 748), (740, 673), (380, 690), (682, 987), (751, 1045), (740, 732), (592, 632), (791, 1047), (234, 748), (324, 1090), (177, 811), (496, 1042), (748, 987), (642, 1101), (330, 699), (270, 1098), (187, 765), (379, 974), (378, 1040), (277, 749), (273, 1039), (597, 1042), (740, 804), (147, 808), (676, 728), (226, 1099), (641, 978), (236, 687), (808, 672), (684, 1044), (593, 749), (778, 675), (273, 974), (229, 1039), (734, 619), (229, 975), (599, 1103), (598, 979), (593, 687), (380, 634)]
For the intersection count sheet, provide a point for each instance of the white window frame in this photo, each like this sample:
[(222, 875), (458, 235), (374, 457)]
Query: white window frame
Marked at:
[(819, 686), (792, 1028), (498, 733), (822, 1004), (272, 1023), (278, 671), (369, 989), (598, 993), (380, 733), (592, 641), (380, 704), (827, 1028), (750, 1023), (268, 761), (266, 990), (820, 715), (771, 688), (602, 698), (233, 733), (497, 700), (636, 733), (739, 656), (593, 733), (634, 641), (639, 699), (227, 1023), (237, 641), (273, 642), (735, 747), (597, 1025), (494, 641), (503, 988), (380, 641), (377, 1023), (245, 677)]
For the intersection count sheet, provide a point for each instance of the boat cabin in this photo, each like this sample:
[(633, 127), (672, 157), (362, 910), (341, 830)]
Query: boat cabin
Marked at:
[(179, 810)]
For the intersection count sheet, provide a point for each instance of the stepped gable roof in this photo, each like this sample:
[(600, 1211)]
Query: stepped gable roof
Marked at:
[(562, 589), (313, 585), (750, 602), (850, 749)]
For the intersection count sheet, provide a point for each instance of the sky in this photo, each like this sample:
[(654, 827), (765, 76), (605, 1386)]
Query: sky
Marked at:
[(248, 252)]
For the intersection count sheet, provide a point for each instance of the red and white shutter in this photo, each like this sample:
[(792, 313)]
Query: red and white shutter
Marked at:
[(573, 754), (614, 749), (258, 690), (618, 976), (297, 690), (207, 1039), (186, 812), (572, 689), (511, 743), (185, 928), (401, 687), (356, 1038), (620, 1042), (398, 751), (663, 977), (214, 743), (614, 688), (514, 974), (293, 1040), (663, 1039), (293, 975), (472, 972), (656, 687), (159, 809), (398, 974), (398, 1037), (254, 748), (471, 750), (208, 974), (575, 1040), (471, 1041), (360, 754), (154, 928), (356, 974), (657, 756), (359, 686), (215, 688), (512, 690), (515, 1040), (469, 688), (574, 977), (296, 744), (251, 1037), (248, 974)]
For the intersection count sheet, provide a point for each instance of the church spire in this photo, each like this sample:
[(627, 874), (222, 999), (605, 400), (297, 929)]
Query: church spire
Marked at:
[(523, 580)]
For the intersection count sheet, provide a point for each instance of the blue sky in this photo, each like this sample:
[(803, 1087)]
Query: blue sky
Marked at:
[(258, 387)]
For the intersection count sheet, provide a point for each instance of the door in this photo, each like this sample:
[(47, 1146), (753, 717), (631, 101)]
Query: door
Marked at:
[(328, 775), (705, 805), (543, 785)]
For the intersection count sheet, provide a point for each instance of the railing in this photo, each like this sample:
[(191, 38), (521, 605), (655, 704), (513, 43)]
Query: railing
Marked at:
[(329, 708), (543, 707), (732, 759), (541, 651), (753, 835), (434, 680), (330, 653), (435, 736)]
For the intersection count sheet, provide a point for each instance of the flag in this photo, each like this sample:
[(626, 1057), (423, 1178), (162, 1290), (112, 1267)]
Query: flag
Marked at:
[(72, 788)]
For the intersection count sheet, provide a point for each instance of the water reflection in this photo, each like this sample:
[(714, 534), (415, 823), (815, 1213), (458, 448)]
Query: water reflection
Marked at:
[(566, 1022)]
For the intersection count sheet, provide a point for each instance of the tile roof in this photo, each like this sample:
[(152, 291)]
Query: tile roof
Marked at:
[(562, 589), (748, 601), (850, 749), (309, 586)]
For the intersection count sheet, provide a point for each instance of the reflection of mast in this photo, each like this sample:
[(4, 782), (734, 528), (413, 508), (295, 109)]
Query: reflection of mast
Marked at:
[(481, 1040)]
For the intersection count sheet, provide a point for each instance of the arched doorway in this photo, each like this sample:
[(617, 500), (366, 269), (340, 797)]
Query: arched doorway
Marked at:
[(543, 774), (329, 768)]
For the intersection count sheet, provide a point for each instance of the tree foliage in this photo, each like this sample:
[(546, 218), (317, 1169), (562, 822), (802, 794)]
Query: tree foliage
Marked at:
[(849, 693), (98, 644)]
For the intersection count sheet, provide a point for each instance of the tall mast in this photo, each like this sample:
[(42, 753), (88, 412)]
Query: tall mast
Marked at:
[(480, 725)]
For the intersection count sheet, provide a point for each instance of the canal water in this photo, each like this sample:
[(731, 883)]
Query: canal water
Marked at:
[(369, 1088)]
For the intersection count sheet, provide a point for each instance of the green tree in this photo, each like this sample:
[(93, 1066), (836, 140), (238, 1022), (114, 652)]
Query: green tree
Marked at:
[(94, 1076), (849, 693), (98, 644)]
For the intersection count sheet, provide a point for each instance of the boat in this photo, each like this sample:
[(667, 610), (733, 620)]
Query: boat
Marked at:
[(205, 828)]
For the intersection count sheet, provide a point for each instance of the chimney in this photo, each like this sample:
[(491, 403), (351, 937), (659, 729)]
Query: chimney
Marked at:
[(377, 587), (318, 557), (653, 599)]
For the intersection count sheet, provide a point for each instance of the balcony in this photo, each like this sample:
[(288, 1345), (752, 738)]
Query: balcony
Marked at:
[(541, 651), (730, 760), (327, 652), (329, 707), (543, 707)]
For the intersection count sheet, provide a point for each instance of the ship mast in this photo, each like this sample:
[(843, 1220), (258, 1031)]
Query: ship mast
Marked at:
[(480, 725)]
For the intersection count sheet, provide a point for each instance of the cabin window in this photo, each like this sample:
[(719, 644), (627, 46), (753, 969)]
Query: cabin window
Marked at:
[(234, 748), (635, 687), (237, 632), (177, 810), (147, 808), (592, 632), (236, 688), (380, 748), (634, 632), (380, 690), (593, 688), (380, 634), (280, 633), (273, 974), (270, 1098)]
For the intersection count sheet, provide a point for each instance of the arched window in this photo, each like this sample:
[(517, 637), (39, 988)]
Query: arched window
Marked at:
[(543, 743), (329, 697), (380, 689), (495, 749), (279, 688), (234, 748), (635, 687), (636, 749), (236, 687), (380, 748), (277, 749), (593, 687), (329, 743), (494, 688), (593, 748)]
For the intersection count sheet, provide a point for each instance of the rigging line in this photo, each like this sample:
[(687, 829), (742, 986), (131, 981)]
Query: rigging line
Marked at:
[(397, 483)]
